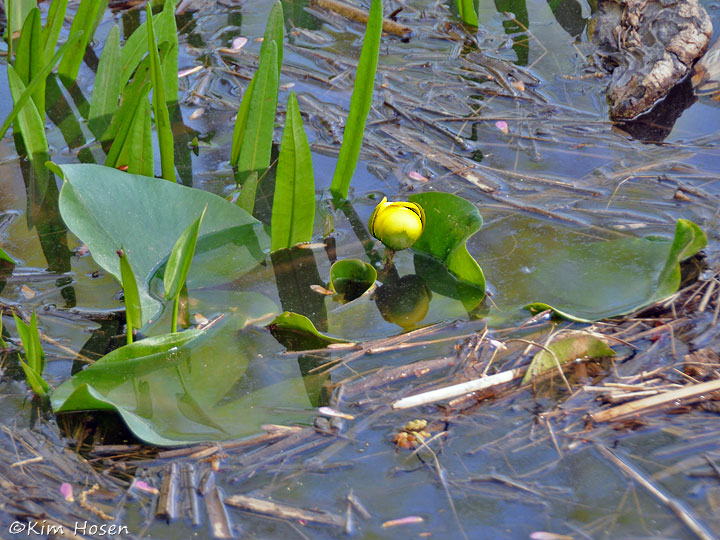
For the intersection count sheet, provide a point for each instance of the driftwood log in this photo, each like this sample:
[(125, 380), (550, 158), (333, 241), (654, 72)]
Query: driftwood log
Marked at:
[(650, 46)]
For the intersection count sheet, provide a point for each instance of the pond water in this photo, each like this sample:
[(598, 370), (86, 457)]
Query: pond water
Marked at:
[(557, 174)]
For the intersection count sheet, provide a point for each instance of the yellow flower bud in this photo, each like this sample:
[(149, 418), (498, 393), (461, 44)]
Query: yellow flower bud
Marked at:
[(397, 224)]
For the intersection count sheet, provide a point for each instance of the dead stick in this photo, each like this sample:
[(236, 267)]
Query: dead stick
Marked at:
[(283, 511), (459, 389), (358, 15), (680, 511), (667, 398)]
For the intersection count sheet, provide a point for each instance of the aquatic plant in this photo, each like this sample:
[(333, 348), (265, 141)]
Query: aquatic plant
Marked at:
[(34, 363)]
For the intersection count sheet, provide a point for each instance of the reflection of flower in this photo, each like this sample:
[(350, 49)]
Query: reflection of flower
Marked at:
[(404, 302), (397, 224)]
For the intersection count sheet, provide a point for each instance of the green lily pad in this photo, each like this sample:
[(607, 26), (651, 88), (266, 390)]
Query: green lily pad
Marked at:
[(107, 209), (567, 350), (538, 266), (450, 222), (192, 386), (350, 278)]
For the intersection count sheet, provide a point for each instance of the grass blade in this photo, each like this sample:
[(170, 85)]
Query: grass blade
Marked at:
[(30, 58), (178, 265), (31, 126), (359, 103), (38, 80), (293, 212), (85, 19), (53, 25), (162, 116), (254, 152), (106, 93), (133, 308)]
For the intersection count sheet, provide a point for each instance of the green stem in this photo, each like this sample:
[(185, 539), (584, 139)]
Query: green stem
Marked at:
[(129, 334), (174, 322)]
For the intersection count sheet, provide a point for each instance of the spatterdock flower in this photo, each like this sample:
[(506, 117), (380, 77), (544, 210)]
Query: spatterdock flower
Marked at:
[(397, 224)]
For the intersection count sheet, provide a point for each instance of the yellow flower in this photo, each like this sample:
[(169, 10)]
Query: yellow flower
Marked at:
[(397, 224)]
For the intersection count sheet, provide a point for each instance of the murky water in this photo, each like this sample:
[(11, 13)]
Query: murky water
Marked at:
[(561, 174)]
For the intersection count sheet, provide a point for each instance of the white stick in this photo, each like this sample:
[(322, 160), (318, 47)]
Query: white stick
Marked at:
[(459, 389)]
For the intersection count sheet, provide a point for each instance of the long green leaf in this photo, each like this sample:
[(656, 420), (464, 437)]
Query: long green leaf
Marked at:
[(30, 337), (35, 380), (30, 58), (106, 93), (133, 307), (359, 103), (31, 126), (241, 123), (167, 32), (274, 31), (178, 265), (38, 80), (16, 12), (162, 116), (293, 211), (121, 141), (84, 19), (466, 9), (53, 25), (7, 258), (246, 201), (256, 145)]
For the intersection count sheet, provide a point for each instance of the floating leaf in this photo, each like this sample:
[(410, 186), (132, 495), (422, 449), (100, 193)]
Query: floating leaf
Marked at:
[(450, 222), (293, 211), (540, 266), (161, 211), (359, 103), (190, 387), (350, 278), (297, 333), (577, 346)]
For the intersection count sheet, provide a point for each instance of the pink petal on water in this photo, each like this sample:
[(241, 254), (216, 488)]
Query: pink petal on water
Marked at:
[(238, 43), (66, 491), (144, 486), (417, 176), (502, 126)]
